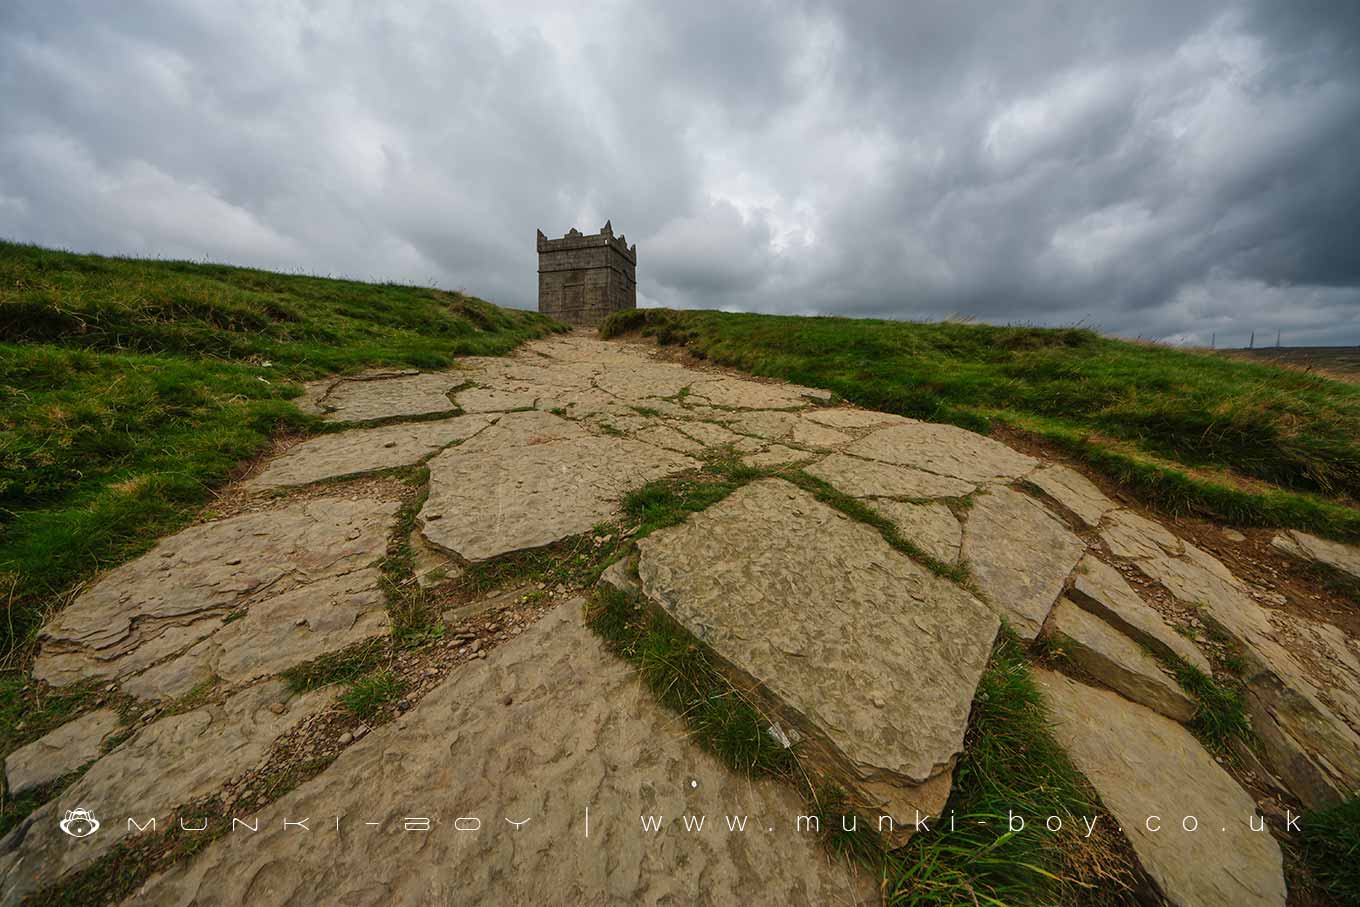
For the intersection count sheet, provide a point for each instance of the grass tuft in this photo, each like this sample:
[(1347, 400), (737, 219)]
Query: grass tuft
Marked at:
[(1220, 715), (1331, 847), (681, 675), (368, 695), (337, 667), (1012, 763)]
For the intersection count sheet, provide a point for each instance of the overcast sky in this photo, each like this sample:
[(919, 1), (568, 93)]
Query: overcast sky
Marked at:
[(1164, 169)]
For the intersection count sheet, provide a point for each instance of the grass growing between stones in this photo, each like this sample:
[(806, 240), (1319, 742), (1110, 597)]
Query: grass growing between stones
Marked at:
[(1245, 443), (337, 667), (1012, 764), (863, 513), (1220, 715), (368, 695), (680, 674), (131, 388), (1331, 847)]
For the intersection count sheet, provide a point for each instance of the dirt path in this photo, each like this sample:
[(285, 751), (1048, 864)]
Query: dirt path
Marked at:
[(851, 579)]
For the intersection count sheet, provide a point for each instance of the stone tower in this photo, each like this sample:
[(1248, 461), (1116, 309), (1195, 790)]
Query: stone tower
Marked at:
[(582, 279)]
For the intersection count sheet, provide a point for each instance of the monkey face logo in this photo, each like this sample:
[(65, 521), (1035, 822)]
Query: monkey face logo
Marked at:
[(79, 823)]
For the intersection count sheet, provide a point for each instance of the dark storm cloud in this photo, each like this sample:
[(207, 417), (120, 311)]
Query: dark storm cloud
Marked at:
[(1171, 169)]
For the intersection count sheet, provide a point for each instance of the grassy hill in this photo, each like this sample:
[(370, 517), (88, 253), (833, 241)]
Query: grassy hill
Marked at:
[(130, 388), (1244, 443)]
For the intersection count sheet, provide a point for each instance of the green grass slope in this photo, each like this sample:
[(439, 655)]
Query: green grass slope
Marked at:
[(1245, 443), (130, 388)]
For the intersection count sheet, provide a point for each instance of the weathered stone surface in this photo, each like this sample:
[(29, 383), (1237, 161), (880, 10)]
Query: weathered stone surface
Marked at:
[(1074, 491), (178, 593), (491, 400), (854, 418), (525, 430), (276, 633), (1129, 535), (776, 455), (932, 526), (810, 434), (59, 751), (1144, 765), (364, 450), (738, 393), (670, 438), (945, 450), (646, 379), (1020, 556), (869, 657), (772, 426), (579, 731), (365, 399), (1345, 558), (867, 478), (430, 565), (1099, 588), (171, 762), (532, 483), (710, 435), (1117, 661)]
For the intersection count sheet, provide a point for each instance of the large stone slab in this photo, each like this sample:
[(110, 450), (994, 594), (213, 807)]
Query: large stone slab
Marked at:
[(60, 751), (182, 590), (1116, 661), (871, 659), (548, 726), (931, 526), (1149, 769), (171, 762), (1074, 491), (1020, 555), (531, 482), (870, 479), (1337, 555), (365, 450), (945, 450), (1099, 588), (380, 397)]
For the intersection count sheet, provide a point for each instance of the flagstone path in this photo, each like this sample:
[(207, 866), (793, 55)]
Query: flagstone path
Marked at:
[(863, 659)]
